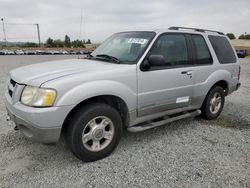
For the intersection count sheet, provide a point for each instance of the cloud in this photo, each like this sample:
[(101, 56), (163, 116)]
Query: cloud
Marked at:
[(102, 18)]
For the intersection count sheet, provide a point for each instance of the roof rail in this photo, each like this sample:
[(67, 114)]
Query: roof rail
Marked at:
[(195, 29)]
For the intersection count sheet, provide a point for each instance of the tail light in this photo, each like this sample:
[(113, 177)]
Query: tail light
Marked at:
[(239, 73)]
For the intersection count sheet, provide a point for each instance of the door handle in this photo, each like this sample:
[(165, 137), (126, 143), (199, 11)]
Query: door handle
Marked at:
[(189, 73)]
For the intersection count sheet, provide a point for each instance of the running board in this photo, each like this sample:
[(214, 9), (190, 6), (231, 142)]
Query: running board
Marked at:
[(151, 125)]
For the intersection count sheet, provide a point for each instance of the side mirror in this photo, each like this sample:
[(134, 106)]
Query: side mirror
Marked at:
[(156, 60)]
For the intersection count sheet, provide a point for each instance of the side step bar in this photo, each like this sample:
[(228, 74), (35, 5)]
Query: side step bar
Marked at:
[(151, 125)]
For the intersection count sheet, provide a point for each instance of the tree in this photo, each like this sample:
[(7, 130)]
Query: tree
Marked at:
[(29, 45), (245, 36), (58, 43), (231, 36), (67, 41), (77, 44), (50, 43), (88, 41)]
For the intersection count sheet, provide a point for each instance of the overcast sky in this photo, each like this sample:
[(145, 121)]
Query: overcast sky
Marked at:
[(101, 18)]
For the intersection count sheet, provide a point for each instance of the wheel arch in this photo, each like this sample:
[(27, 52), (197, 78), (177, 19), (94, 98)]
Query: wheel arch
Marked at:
[(118, 103), (221, 83)]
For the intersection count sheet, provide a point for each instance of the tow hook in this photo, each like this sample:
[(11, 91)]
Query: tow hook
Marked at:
[(8, 118)]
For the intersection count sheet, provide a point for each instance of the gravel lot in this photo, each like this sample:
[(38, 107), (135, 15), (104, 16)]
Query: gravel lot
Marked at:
[(186, 153)]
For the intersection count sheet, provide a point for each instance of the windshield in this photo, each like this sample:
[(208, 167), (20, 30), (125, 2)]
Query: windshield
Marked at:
[(124, 47)]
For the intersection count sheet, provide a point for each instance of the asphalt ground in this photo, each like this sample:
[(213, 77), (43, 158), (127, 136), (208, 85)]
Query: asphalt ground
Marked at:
[(186, 153)]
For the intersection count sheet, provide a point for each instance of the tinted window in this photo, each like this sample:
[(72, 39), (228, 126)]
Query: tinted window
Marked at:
[(223, 49), (202, 52), (173, 48)]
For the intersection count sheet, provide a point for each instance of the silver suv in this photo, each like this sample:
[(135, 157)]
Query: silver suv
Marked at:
[(135, 80)]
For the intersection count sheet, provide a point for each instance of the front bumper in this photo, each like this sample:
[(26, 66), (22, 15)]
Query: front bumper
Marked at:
[(41, 125), (42, 135)]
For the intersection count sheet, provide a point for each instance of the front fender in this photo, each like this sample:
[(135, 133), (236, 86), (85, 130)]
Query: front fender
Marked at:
[(96, 88)]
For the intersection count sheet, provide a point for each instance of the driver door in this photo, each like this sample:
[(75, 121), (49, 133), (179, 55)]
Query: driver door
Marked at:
[(162, 88)]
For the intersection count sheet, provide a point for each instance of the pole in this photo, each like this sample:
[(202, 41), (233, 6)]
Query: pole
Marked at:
[(38, 34), (80, 34), (4, 32)]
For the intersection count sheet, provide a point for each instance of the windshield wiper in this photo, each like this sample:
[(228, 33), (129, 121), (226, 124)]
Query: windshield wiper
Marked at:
[(109, 57)]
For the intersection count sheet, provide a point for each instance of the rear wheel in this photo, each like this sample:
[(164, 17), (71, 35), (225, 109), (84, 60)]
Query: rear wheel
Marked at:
[(214, 103), (94, 131)]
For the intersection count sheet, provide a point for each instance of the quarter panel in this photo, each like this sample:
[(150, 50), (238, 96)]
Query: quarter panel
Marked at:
[(205, 78)]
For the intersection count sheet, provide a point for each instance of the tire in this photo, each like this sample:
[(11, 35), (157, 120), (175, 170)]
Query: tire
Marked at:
[(94, 123), (211, 107)]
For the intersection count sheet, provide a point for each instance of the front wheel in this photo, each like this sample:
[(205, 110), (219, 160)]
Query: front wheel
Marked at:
[(94, 132), (214, 103)]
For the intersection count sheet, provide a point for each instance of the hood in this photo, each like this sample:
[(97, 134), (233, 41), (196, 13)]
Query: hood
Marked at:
[(37, 74)]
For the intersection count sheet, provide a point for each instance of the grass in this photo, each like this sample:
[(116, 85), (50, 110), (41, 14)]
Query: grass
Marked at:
[(248, 56)]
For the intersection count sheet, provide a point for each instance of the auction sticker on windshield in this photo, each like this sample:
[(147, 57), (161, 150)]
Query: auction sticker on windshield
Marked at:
[(137, 40)]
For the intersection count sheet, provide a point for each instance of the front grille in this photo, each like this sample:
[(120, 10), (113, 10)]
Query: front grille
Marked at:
[(11, 86), (10, 92), (12, 82)]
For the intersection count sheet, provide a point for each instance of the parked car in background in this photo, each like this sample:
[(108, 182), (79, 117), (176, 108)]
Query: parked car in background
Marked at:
[(8, 52), (63, 52), (72, 52), (241, 53), (2, 52), (85, 52), (39, 52), (44, 52), (30, 52), (19, 52), (53, 52)]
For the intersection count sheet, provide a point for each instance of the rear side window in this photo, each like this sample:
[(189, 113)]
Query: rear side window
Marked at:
[(203, 55), (223, 49)]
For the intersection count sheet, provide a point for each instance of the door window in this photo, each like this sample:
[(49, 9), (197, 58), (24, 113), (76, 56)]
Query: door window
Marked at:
[(173, 48)]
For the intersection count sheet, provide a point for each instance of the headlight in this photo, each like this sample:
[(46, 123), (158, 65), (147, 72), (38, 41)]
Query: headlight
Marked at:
[(38, 97)]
